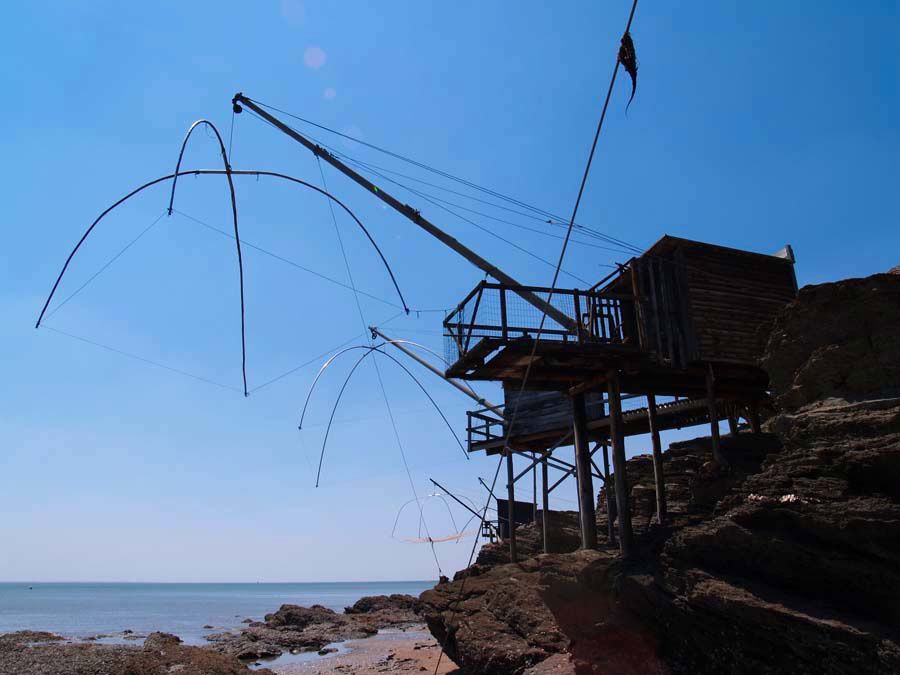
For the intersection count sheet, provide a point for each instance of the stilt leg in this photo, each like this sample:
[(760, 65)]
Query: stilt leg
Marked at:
[(713, 418), (583, 474), (511, 495), (546, 503), (623, 502), (659, 478)]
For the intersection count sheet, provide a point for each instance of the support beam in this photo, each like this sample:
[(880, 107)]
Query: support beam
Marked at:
[(510, 509), (534, 492), (583, 474), (658, 476), (713, 418), (465, 506), (545, 494), (555, 463), (623, 502)]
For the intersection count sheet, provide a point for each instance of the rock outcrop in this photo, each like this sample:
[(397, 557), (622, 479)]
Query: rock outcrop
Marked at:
[(787, 563), (837, 340), (300, 629), (381, 611), (39, 653), (291, 628)]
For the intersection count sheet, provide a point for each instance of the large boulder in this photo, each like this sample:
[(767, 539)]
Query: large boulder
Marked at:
[(511, 618), (379, 603), (839, 339)]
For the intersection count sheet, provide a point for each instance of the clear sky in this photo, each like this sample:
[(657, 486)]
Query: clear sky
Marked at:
[(755, 124)]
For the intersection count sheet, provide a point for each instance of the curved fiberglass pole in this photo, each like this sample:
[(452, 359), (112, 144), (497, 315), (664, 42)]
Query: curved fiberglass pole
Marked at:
[(234, 215), (370, 350), (208, 172)]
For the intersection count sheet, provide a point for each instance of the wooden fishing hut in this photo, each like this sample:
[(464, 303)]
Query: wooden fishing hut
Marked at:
[(685, 319)]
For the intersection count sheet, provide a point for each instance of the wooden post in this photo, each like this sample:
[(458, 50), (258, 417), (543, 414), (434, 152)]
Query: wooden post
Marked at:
[(545, 494), (510, 510), (732, 419), (583, 474), (755, 425), (623, 503), (713, 417), (607, 488), (658, 476), (534, 492)]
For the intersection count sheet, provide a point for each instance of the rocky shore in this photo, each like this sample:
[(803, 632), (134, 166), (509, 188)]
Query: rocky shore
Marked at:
[(787, 561), (291, 629), (299, 629)]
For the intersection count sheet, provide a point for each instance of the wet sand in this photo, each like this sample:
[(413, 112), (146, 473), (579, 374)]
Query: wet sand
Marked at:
[(391, 651)]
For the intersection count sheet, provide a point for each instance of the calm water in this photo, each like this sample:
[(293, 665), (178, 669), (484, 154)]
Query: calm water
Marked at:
[(79, 610)]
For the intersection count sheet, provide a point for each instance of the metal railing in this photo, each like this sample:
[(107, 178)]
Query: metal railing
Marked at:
[(483, 426), (493, 310)]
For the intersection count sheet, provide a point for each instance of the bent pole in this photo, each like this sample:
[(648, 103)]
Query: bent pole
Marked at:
[(412, 214), (468, 391)]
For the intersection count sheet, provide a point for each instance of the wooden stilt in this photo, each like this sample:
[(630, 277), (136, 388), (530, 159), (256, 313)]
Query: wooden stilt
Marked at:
[(534, 509), (607, 489), (658, 476), (545, 494), (623, 502), (510, 512), (583, 474), (713, 417), (610, 517), (755, 425), (732, 419)]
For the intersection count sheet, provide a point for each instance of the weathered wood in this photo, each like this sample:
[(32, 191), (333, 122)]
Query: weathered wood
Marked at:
[(755, 425), (623, 501), (583, 475), (713, 418), (658, 476), (732, 421), (511, 495), (608, 489)]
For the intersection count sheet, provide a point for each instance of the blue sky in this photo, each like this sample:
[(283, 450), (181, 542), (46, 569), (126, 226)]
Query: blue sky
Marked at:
[(754, 125)]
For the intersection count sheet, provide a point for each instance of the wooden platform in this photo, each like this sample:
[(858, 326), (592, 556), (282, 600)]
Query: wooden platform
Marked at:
[(571, 367), (672, 415)]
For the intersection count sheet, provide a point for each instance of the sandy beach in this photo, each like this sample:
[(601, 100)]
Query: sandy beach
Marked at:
[(410, 651)]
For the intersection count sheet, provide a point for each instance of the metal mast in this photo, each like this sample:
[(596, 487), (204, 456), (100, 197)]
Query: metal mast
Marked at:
[(411, 213)]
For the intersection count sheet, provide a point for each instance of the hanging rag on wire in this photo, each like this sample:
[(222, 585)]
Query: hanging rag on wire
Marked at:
[(628, 59)]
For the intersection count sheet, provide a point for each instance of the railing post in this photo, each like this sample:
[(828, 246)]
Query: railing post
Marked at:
[(503, 323), (474, 314), (576, 299)]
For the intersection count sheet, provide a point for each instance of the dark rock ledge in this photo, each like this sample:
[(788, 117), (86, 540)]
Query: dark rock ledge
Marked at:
[(788, 563)]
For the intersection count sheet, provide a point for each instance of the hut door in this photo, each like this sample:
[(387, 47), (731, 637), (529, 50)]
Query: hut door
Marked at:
[(663, 310)]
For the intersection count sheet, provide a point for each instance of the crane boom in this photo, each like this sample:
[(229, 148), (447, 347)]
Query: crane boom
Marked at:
[(412, 214), (464, 388)]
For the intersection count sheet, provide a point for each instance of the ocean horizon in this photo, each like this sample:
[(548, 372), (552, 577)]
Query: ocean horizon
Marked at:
[(86, 609)]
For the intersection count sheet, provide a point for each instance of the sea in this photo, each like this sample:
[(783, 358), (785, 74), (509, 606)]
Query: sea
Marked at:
[(80, 610)]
